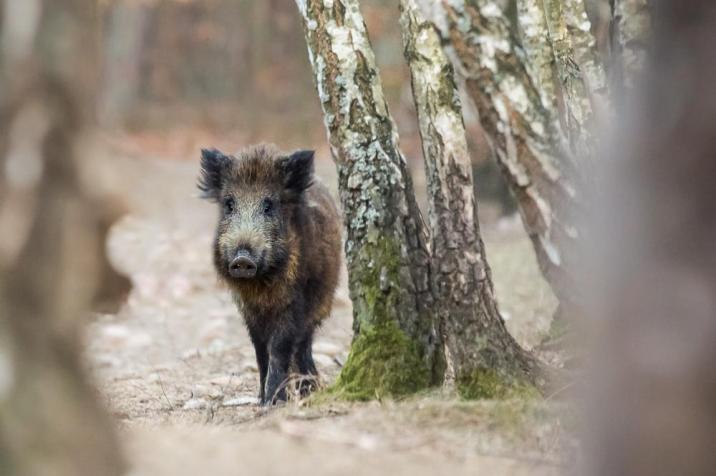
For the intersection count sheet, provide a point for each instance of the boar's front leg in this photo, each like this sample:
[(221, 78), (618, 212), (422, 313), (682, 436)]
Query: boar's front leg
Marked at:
[(280, 349), (305, 364), (262, 359)]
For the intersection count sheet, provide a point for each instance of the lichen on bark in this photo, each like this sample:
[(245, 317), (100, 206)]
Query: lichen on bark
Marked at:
[(534, 34), (581, 74)]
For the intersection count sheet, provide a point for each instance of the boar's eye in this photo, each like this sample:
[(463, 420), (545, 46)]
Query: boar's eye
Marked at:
[(267, 206), (229, 205)]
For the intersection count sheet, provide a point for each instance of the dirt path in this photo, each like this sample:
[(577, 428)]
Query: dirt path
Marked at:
[(178, 371)]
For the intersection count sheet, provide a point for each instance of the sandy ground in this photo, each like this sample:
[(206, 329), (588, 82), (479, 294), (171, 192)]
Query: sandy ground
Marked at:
[(177, 369)]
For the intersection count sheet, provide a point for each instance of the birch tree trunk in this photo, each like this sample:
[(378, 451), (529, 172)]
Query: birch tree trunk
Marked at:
[(51, 422), (397, 347), (540, 95), (484, 358), (530, 146)]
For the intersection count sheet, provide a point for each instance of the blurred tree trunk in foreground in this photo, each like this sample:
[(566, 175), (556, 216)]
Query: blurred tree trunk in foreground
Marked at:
[(52, 243), (405, 282), (540, 85), (654, 396)]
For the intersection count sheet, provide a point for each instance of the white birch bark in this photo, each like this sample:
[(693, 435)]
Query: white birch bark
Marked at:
[(386, 240), (581, 74), (527, 139), (535, 37), (478, 343)]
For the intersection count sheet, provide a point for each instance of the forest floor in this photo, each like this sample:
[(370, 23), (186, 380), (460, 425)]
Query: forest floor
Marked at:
[(177, 369)]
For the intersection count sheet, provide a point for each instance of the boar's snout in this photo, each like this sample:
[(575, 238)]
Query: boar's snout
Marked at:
[(242, 266)]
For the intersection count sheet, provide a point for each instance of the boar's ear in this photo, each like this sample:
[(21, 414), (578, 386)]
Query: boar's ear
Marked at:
[(213, 165), (297, 172)]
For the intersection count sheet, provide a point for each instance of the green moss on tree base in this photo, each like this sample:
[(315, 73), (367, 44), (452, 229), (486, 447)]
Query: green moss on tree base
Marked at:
[(377, 260), (489, 384), (383, 362)]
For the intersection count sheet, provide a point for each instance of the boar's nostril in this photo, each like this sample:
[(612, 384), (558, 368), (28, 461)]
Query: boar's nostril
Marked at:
[(243, 262), (242, 267)]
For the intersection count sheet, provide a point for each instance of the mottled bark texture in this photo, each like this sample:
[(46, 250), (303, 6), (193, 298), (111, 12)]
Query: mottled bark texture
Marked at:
[(652, 397), (541, 89), (525, 134), (533, 29), (483, 357), (581, 74), (51, 249), (397, 348), (632, 30)]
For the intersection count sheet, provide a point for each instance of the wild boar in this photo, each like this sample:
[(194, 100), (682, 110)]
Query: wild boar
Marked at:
[(278, 248)]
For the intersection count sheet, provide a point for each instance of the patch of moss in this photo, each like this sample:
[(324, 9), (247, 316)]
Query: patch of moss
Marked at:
[(383, 362), (490, 384), (376, 274)]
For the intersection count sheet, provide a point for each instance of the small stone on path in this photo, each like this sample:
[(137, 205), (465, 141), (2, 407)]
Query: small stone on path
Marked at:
[(240, 401)]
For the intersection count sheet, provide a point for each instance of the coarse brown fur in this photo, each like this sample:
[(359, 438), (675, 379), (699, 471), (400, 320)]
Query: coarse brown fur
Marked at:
[(283, 229)]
